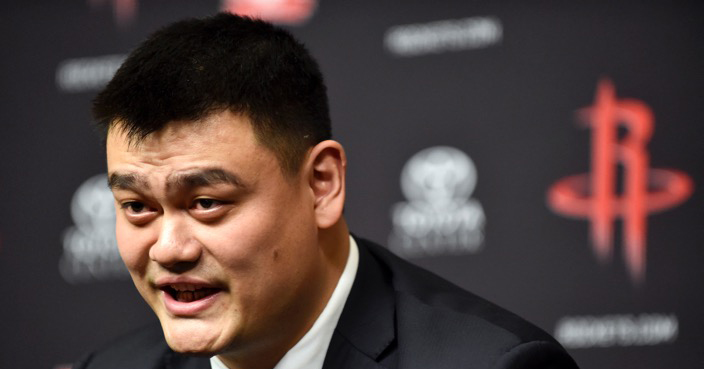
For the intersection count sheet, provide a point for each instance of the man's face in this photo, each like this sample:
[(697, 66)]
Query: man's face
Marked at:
[(219, 242)]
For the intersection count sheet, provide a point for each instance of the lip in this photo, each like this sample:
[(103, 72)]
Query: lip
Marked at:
[(187, 309)]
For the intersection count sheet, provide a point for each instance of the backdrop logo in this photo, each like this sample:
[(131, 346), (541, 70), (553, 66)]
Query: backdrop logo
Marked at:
[(443, 36), (596, 196), (277, 11), (87, 74), (124, 11), (90, 247), (575, 332), (439, 216)]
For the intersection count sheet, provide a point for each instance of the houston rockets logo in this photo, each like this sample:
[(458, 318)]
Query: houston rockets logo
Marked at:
[(124, 10), (277, 11), (596, 197)]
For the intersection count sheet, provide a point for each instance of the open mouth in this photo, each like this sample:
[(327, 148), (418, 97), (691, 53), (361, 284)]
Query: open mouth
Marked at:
[(188, 292)]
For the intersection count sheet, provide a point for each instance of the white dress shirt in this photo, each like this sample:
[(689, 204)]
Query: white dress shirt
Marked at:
[(309, 351)]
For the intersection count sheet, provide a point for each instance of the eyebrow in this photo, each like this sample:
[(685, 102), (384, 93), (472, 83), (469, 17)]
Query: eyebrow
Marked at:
[(122, 181), (203, 178), (188, 180)]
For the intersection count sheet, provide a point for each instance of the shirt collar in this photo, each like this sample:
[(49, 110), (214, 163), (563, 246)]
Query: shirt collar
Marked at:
[(310, 350)]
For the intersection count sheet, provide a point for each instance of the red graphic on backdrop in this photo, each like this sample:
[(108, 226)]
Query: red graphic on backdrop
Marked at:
[(124, 10), (277, 11), (595, 196)]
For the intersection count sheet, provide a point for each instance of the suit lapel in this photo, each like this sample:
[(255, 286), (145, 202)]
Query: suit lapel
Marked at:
[(342, 354), (365, 333)]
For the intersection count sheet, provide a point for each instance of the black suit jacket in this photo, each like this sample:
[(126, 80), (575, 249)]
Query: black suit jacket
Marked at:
[(396, 316)]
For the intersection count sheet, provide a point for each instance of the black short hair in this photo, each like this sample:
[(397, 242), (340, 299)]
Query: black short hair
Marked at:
[(197, 67)]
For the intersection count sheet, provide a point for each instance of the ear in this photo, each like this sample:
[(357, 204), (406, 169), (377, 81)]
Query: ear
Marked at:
[(328, 164)]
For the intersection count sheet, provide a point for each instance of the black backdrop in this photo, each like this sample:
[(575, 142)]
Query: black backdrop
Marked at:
[(485, 92)]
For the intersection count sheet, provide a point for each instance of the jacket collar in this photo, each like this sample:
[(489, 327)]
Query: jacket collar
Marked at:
[(367, 322)]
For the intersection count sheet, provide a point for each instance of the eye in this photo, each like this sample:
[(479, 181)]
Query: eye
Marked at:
[(134, 207), (138, 213), (206, 204), (209, 210)]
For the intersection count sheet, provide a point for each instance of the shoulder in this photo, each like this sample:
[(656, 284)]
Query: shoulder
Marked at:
[(141, 348), (145, 344), (441, 325)]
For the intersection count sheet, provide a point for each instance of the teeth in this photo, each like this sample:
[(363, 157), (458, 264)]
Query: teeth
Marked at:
[(186, 292), (184, 287), (188, 296)]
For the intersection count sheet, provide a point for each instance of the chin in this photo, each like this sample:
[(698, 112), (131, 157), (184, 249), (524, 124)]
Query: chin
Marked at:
[(191, 337)]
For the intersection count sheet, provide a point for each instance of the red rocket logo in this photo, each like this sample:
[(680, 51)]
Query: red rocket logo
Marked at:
[(595, 196), (124, 11), (291, 12)]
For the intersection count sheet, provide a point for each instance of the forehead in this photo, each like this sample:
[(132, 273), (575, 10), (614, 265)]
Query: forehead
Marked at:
[(217, 127), (221, 139)]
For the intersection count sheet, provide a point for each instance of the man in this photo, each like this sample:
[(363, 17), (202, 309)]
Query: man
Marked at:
[(229, 196)]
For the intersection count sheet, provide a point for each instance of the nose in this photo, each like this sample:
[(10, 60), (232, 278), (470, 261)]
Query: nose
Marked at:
[(176, 246)]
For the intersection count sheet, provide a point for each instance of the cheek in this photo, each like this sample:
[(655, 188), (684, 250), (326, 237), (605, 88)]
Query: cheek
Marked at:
[(133, 244), (258, 246), (240, 243), (264, 236)]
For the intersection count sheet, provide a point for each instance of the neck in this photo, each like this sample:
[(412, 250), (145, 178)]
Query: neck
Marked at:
[(335, 245)]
